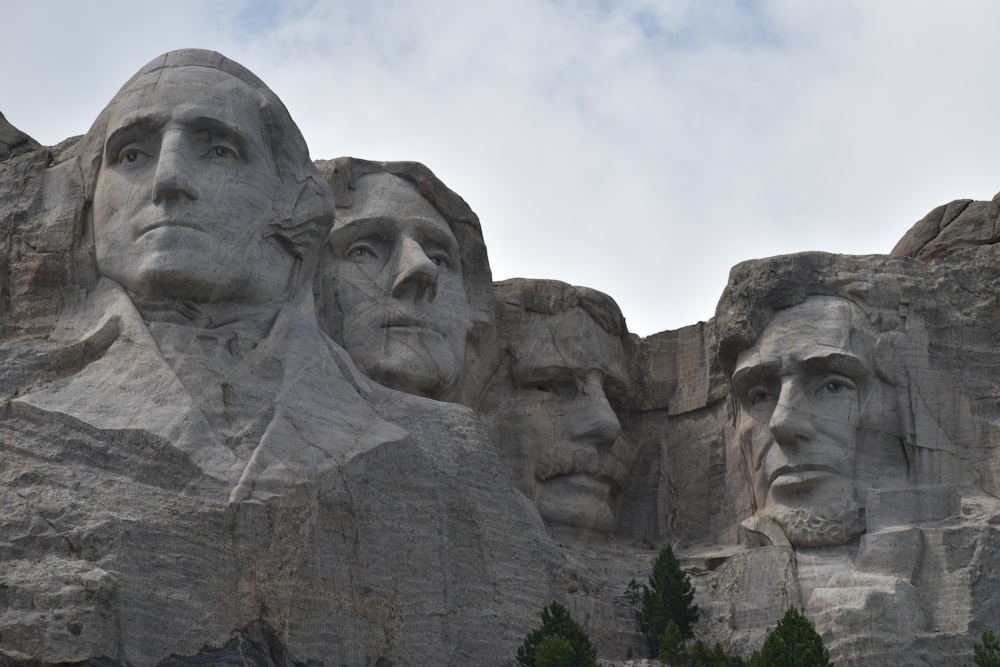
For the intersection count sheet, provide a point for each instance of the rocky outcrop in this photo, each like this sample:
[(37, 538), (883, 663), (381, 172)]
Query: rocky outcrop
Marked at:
[(194, 470)]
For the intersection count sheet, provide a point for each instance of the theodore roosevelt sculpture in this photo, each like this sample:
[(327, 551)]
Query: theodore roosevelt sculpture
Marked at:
[(207, 217), (405, 285), (558, 427)]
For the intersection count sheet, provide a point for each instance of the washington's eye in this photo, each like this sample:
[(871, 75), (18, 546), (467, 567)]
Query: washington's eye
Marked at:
[(224, 152)]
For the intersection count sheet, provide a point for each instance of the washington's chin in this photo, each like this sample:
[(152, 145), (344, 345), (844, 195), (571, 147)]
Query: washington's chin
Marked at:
[(828, 525), (577, 504), (808, 487)]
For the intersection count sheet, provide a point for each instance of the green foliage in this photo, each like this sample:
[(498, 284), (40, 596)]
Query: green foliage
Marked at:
[(560, 642), (794, 643), (986, 652), (633, 593), (669, 597), (554, 651), (672, 650), (675, 653)]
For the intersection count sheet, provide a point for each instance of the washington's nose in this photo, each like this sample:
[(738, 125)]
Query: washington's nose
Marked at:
[(595, 420), (174, 176), (791, 421), (416, 275)]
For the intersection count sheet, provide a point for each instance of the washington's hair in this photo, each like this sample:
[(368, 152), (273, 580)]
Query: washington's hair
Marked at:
[(303, 211)]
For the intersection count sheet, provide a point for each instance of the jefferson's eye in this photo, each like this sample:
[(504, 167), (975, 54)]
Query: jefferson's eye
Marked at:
[(361, 252), (833, 386), (128, 155)]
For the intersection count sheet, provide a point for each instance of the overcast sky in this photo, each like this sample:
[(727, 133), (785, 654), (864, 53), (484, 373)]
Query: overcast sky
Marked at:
[(640, 147)]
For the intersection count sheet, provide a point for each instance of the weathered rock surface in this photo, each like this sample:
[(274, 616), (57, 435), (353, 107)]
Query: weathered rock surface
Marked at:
[(184, 483)]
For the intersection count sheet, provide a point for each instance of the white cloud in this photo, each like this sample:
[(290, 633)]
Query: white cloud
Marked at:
[(640, 147)]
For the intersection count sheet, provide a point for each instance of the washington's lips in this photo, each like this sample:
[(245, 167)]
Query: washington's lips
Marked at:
[(801, 474), (161, 224)]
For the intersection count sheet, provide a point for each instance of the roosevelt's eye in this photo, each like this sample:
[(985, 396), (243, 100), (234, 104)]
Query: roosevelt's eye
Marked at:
[(758, 394), (562, 389)]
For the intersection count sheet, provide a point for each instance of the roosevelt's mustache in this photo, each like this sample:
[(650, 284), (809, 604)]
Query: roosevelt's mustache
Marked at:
[(577, 459)]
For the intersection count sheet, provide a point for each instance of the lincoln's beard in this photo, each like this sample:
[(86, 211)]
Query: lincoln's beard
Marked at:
[(821, 527)]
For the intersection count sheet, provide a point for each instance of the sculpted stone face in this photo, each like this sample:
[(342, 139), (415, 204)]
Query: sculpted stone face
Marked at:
[(559, 426), (813, 420), (185, 190), (398, 284)]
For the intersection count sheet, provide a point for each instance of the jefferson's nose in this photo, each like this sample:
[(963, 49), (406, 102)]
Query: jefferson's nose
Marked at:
[(594, 419), (791, 422), (416, 275), (174, 176)]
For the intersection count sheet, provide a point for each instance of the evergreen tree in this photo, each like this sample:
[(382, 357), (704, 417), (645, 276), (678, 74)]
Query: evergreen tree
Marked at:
[(554, 651), (669, 597), (986, 652), (541, 648), (794, 643), (672, 650)]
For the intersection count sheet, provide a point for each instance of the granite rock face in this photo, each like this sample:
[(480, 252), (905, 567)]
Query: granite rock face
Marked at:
[(261, 410)]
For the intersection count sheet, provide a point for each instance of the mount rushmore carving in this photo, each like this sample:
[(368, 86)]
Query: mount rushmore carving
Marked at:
[(259, 405)]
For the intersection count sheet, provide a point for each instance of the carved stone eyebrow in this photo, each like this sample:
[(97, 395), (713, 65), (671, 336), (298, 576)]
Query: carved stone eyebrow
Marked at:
[(837, 362), (131, 131), (748, 374), (216, 127)]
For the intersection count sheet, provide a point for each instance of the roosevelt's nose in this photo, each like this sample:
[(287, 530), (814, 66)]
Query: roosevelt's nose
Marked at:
[(595, 420), (416, 274), (792, 421), (174, 176)]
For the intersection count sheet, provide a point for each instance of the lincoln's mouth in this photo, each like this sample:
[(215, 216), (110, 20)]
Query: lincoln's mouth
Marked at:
[(403, 323)]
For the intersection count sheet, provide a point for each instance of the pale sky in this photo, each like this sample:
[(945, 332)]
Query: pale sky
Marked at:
[(639, 147)]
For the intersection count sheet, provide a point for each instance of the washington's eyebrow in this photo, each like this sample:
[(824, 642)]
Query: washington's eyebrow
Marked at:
[(131, 131), (216, 127)]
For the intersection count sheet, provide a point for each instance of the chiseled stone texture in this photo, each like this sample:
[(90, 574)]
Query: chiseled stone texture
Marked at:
[(291, 512)]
